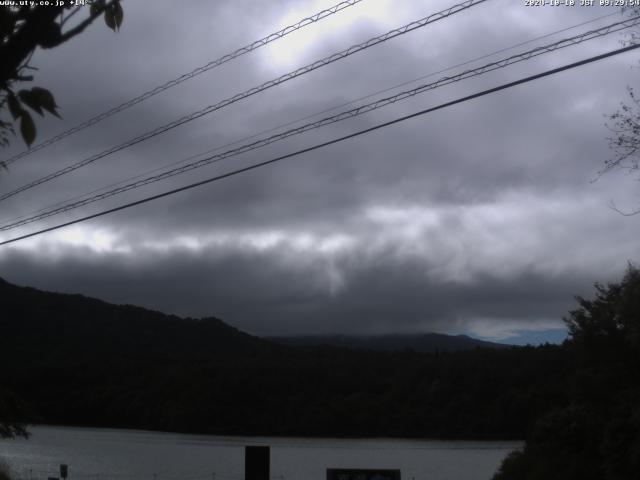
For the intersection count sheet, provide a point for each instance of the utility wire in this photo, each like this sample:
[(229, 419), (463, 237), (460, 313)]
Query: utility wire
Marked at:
[(330, 142), (615, 27), (307, 117), (272, 83), (193, 73)]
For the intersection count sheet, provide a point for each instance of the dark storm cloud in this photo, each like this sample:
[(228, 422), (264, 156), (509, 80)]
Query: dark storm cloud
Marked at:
[(476, 218), (427, 151), (290, 292)]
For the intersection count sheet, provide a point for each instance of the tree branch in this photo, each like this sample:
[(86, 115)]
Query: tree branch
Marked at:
[(84, 24), (65, 19)]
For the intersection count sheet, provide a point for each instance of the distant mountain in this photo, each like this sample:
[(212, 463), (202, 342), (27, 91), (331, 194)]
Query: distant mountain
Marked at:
[(81, 361), (424, 343), (79, 319), (34, 318)]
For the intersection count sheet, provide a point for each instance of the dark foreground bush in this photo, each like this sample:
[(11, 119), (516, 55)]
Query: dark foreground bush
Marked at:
[(598, 436), (5, 473)]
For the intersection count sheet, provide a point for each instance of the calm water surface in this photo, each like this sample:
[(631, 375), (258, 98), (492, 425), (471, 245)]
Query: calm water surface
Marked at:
[(109, 454)]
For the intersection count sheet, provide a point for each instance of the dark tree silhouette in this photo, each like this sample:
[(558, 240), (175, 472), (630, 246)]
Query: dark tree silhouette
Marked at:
[(612, 318), (85, 362), (23, 28), (597, 436), (11, 409)]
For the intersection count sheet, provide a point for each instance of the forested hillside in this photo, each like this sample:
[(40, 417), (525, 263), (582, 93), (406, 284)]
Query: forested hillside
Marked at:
[(80, 361)]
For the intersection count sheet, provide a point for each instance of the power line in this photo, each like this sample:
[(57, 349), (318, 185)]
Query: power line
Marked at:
[(272, 83), (307, 117), (193, 73), (330, 142), (575, 40), (342, 116)]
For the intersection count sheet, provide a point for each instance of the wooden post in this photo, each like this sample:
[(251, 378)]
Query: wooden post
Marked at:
[(257, 463)]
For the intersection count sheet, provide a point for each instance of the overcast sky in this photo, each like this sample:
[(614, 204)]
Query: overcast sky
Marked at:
[(483, 218)]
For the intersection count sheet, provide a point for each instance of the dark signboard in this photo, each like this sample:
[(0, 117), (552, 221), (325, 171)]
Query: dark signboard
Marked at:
[(361, 474)]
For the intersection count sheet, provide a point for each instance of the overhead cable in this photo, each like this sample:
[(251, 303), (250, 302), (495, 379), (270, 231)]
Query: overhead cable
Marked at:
[(182, 78), (330, 142), (272, 83), (355, 112), (307, 117)]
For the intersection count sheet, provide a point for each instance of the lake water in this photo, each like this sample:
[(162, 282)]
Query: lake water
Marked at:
[(109, 454)]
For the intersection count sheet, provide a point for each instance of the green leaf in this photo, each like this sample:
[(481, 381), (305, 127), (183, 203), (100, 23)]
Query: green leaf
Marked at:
[(113, 16), (109, 19), (27, 128), (118, 13), (45, 100), (14, 106), (27, 97)]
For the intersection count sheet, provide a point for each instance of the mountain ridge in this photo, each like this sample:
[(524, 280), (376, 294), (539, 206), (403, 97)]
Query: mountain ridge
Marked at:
[(85, 314), (81, 361), (423, 342)]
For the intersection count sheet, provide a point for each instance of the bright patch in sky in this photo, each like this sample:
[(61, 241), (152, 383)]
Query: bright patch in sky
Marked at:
[(517, 333), (290, 51), (537, 337), (99, 240)]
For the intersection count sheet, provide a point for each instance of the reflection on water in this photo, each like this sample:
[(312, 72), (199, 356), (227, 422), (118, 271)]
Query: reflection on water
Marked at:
[(109, 454)]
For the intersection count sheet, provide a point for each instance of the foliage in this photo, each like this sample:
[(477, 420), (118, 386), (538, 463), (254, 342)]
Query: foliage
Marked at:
[(626, 128), (598, 435), (85, 362), (625, 125), (23, 28), (12, 410), (612, 319), (625, 142), (5, 473)]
